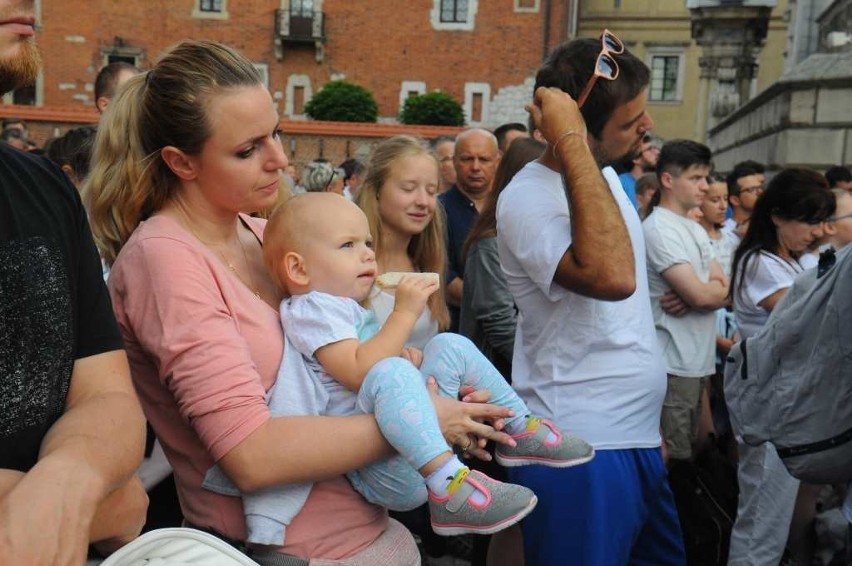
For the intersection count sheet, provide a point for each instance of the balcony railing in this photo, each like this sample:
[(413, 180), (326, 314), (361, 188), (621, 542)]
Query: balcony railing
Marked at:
[(299, 26)]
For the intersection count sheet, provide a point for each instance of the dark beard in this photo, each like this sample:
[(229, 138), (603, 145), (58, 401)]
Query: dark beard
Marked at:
[(21, 70), (622, 161)]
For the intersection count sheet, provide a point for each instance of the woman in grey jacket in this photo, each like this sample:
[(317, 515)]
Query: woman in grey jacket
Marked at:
[(488, 312)]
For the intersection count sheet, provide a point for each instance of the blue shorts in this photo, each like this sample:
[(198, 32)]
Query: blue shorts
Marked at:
[(615, 510)]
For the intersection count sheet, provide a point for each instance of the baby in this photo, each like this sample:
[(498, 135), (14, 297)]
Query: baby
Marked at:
[(318, 248)]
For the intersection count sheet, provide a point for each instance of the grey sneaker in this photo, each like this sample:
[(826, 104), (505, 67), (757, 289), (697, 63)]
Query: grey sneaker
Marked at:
[(533, 447), (456, 514)]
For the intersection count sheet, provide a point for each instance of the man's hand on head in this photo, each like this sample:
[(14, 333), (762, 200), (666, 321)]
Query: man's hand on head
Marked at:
[(554, 113)]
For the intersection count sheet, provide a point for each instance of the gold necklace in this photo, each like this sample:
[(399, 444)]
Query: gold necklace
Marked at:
[(251, 287)]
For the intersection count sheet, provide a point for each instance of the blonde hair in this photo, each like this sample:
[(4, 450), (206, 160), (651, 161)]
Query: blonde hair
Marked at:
[(426, 250), (167, 106)]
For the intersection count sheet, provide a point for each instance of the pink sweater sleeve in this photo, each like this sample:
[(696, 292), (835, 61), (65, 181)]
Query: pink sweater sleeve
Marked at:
[(197, 329)]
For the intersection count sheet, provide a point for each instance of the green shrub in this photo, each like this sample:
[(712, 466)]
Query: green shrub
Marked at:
[(340, 101), (432, 109)]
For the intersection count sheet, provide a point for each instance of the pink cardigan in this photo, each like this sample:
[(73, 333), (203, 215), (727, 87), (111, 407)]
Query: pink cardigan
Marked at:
[(203, 352)]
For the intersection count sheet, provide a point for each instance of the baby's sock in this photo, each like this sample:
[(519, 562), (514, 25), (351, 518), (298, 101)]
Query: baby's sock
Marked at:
[(528, 424), (439, 481)]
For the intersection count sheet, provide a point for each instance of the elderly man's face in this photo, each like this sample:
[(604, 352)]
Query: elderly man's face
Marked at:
[(475, 160)]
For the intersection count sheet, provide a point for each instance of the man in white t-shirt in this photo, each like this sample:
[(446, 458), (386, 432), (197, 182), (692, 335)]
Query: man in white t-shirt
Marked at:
[(585, 355), (681, 258)]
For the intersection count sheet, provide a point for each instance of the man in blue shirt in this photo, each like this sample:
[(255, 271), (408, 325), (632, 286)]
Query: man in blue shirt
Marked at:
[(645, 162), (475, 159)]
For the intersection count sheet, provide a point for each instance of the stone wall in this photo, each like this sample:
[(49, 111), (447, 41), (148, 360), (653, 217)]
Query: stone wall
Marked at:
[(804, 119), (303, 140)]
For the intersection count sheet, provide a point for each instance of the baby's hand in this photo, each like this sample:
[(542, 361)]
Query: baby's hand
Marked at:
[(412, 294), (413, 355)]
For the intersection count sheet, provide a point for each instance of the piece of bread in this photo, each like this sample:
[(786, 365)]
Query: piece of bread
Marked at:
[(391, 279)]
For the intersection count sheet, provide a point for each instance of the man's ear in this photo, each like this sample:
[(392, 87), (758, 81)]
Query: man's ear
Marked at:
[(734, 200), (70, 172), (295, 269), (180, 163), (101, 104), (666, 179)]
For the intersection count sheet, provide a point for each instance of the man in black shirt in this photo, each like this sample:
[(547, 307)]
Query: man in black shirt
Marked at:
[(71, 430)]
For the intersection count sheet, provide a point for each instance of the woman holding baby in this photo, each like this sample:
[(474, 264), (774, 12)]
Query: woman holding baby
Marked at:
[(181, 157)]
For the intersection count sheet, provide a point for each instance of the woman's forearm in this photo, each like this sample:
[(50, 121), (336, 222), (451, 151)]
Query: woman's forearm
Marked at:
[(304, 449)]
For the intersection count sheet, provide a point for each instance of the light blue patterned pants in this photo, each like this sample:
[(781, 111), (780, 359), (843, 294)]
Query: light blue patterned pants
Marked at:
[(395, 392)]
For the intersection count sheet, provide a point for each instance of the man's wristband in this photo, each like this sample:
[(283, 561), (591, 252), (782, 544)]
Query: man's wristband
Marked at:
[(562, 137)]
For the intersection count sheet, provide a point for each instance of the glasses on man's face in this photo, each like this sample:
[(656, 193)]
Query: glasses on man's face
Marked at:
[(842, 217), (605, 65), (755, 190)]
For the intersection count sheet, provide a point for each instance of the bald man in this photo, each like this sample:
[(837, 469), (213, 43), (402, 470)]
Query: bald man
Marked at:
[(475, 160)]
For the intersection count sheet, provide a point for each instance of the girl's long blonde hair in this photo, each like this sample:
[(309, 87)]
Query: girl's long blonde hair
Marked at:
[(426, 250), (167, 106)]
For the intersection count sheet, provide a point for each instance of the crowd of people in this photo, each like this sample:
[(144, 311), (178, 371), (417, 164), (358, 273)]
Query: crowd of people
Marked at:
[(513, 334)]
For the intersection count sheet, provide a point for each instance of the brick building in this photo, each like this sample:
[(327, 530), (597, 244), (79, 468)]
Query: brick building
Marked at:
[(483, 53)]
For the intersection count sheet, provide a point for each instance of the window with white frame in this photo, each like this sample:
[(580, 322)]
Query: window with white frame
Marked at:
[(302, 8), (298, 93), (29, 95), (122, 54), (453, 11), (454, 14), (214, 9), (477, 102), (210, 5), (526, 5), (409, 89), (263, 71), (666, 75)]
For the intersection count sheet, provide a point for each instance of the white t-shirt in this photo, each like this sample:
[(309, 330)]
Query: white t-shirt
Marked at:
[(381, 303), (766, 273), (729, 228), (592, 367), (687, 342), (723, 251)]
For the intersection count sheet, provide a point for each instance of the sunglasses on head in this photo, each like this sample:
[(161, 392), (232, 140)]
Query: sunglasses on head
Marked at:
[(605, 65), (335, 174)]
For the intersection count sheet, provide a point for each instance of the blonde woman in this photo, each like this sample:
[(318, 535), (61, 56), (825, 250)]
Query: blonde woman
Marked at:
[(181, 157), (400, 199)]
